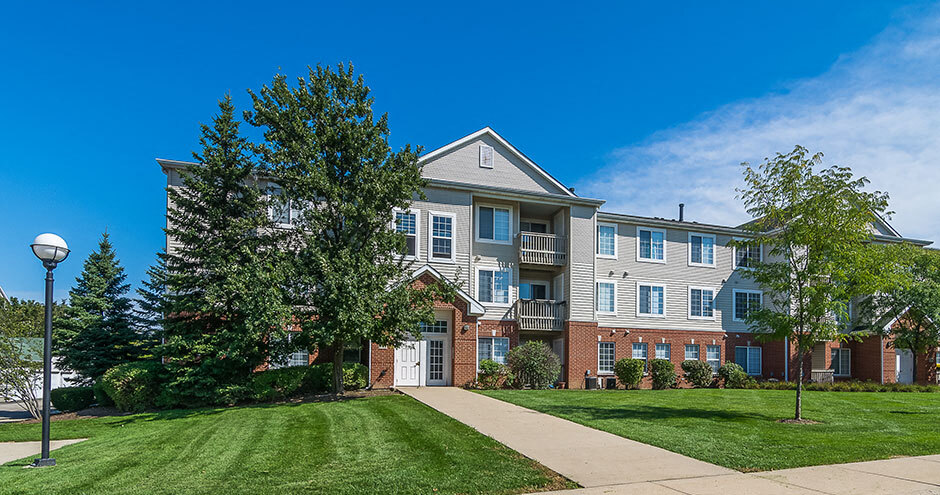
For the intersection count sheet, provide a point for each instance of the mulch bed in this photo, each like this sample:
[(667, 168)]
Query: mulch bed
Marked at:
[(792, 421), (91, 412)]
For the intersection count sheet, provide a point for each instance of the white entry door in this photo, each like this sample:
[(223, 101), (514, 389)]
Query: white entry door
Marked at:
[(905, 365), (408, 365)]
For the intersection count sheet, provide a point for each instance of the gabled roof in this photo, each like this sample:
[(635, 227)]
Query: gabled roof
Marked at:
[(474, 308), (486, 131)]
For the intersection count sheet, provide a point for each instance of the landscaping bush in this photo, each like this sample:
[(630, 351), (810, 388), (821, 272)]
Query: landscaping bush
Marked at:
[(133, 386), (319, 378), (355, 376), (733, 375), (493, 375), (698, 373), (534, 365), (69, 399), (278, 383), (101, 397), (846, 386), (629, 371), (663, 374)]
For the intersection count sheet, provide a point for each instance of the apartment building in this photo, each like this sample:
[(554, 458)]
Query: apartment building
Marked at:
[(534, 261)]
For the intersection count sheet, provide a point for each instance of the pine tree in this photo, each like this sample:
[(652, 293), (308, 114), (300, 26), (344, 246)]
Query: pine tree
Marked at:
[(96, 331), (326, 151), (224, 298), (151, 306)]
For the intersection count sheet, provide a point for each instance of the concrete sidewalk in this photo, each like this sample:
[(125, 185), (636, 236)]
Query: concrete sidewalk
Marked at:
[(607, 464), (11, 451), (590, 457)]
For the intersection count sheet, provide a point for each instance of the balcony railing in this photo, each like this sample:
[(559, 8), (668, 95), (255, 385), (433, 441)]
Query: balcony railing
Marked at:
[(542, 249), (541, 314)]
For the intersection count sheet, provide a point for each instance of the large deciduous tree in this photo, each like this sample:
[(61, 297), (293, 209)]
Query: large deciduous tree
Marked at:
[(224, 305), (815, 226), (909, 309), (97, 330), (331, 159)]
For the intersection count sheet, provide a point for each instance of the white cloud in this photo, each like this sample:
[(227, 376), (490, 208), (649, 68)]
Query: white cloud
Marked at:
[(876, 110)]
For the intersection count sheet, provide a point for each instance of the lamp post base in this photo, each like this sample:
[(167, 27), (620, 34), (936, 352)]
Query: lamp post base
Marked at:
[(43, 462)]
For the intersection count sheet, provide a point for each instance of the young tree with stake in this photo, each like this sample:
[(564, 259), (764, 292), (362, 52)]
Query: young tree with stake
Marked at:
[(815, 227)]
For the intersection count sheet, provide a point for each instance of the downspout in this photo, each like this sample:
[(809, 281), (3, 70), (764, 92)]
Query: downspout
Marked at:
[(786, 359), (371, 383), (476, 348), (882, 352)]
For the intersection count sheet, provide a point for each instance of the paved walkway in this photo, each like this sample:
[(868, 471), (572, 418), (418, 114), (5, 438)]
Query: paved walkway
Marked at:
[(604, 463), (11, 451)]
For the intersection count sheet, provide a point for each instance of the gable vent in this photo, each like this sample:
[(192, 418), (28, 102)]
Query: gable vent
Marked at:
[(486, 156)]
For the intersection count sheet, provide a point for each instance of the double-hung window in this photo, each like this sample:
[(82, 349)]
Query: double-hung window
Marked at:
[(746, 301), (442, 236), (841, 362), (492, 348), (701, 250), (607, 297), (650, 245), (713, 357), (747, 256), (279, 208), (493, 224), (439, 326), (691, 352), (749, 359), (701, 303), (650, 300), (493, 285), (664, 351), (408, 223), (607, 240), (605, 358), (638, 351)]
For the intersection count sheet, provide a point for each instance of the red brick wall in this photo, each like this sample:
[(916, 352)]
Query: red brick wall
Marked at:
[(580, 352)]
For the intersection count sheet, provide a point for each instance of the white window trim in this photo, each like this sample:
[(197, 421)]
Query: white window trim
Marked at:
[(597, 300), (290, 211), (605, 373), (841, 350), (649, 260), (476, 228), (476, 282), (685, 352), (734, 301), (597, 238), (708, 361), (492, 348), (417, 214), (453, 236), (734, 255), (646, 360), (650, 315), (714, 315), (714, 263), (484, 147), (668, 346)]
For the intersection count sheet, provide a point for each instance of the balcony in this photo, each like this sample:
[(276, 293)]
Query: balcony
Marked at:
[(542, 249), (544, 315)]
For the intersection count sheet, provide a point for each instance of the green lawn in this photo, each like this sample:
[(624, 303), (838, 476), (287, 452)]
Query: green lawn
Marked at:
[(738, 428), (385, 444)]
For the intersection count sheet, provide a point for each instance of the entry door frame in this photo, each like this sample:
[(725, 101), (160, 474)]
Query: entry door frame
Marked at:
[(446, 345), (904, 366)]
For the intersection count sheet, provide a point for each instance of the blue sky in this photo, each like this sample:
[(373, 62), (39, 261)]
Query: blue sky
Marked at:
[(619, 101)]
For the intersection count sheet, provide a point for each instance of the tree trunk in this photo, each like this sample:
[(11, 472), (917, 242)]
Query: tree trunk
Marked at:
[(799, 387), (914, 364), (338, 367)]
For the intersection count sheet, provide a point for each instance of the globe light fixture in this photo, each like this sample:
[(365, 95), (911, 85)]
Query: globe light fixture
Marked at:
[(52, 250)]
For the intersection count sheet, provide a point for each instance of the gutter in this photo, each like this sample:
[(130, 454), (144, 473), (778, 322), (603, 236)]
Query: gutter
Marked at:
[(664, 222)]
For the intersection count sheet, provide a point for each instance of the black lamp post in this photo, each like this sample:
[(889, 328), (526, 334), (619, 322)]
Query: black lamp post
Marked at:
[(51, 249)]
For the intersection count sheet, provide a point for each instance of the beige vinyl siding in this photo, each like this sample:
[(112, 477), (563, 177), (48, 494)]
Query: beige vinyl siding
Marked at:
[(677, 276), (458, 204), (580, 277), (173, 180), (502, 256), (463, 165)]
